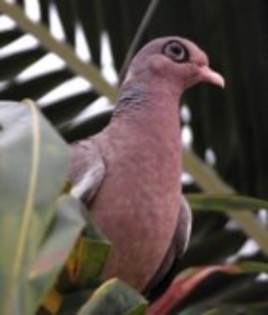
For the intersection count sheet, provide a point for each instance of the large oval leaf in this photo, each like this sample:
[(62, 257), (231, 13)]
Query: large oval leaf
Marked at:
[(54, 251), (33, 162)]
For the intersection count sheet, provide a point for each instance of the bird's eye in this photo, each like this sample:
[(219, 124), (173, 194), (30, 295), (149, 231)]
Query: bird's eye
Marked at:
[(176, 51)]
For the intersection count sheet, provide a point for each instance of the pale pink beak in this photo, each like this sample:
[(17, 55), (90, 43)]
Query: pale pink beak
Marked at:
[(208, 75)]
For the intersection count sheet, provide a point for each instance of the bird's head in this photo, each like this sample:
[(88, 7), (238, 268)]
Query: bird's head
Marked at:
[(174, 59)]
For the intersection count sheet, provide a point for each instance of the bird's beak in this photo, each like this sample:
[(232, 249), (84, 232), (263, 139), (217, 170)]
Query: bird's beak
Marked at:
[(208, 75)]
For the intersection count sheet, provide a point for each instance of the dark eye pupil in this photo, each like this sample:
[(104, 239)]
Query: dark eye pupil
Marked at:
[(176, 50)]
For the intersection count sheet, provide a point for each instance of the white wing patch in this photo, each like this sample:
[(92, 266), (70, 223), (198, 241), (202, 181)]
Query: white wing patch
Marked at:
[(186, 217), (88, 184)]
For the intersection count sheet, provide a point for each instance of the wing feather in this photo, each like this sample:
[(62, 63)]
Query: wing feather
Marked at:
[(87, 169)]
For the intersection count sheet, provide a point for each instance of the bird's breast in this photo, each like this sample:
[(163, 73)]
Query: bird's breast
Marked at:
[(137, 205)]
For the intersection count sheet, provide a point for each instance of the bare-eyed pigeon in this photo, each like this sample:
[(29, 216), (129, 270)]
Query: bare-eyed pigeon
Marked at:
[(128, 175)]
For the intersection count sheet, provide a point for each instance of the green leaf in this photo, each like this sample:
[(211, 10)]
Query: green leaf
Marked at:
[(252, 267), (217, 202), (117, 297), (33, 164), (66, 304), (86, 262), (223, 309), (56, 247)]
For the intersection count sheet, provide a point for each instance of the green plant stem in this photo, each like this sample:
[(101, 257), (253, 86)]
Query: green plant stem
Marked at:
[(210, 182), (87, 70), (142, 27)]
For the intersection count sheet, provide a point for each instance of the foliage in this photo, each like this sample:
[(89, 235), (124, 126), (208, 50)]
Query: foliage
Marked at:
[(231, 123)]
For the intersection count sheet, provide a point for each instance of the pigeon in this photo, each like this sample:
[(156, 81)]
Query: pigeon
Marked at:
[(128, 175)]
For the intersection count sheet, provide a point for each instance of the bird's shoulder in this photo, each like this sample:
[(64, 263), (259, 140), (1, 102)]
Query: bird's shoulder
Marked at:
[(87, 168)]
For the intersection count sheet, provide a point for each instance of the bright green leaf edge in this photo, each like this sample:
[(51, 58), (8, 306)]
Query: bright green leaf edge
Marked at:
[(118, 296), (252, 267), (225, 202)]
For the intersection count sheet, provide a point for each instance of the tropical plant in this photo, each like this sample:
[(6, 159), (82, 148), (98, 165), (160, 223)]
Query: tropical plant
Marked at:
[(230, 126)]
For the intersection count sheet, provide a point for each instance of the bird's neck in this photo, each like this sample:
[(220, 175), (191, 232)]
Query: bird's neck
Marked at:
[(147, 103)]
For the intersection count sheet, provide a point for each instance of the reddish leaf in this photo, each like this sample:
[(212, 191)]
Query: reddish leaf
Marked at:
[(183, 285)]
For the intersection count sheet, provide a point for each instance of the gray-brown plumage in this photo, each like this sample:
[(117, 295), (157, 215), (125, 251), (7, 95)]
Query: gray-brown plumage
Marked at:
[(128, 175)]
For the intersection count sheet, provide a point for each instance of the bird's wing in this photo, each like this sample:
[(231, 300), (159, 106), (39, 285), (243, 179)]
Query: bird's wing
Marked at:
[(179, 244), (184, 228), (87, 169)]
